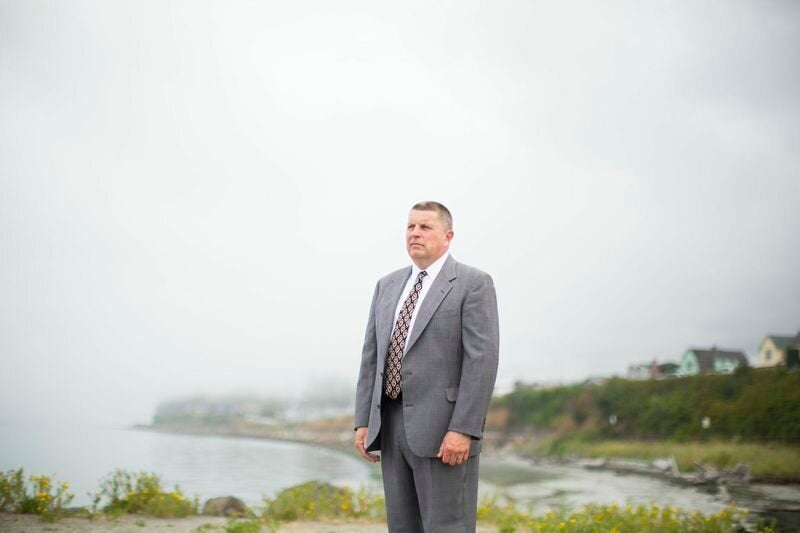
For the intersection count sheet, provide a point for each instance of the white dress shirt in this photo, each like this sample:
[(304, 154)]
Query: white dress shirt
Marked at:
[(427, 281)]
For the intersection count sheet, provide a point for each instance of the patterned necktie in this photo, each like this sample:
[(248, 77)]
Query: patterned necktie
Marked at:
[(394, 358)]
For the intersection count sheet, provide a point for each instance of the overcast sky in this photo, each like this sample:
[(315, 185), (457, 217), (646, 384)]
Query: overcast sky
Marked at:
[(198, 197)]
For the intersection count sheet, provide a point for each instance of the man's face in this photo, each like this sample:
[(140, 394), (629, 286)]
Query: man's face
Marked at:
[(427, 237)]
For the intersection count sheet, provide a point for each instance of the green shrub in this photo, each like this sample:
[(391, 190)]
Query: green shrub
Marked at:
[(123, 492), (12, 490), (317, 500), (43, 496)]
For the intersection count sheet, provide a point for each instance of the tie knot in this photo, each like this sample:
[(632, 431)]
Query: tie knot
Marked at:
[(421, 275)]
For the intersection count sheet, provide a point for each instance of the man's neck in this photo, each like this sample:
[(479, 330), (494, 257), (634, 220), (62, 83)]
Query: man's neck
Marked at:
[(423, 266)]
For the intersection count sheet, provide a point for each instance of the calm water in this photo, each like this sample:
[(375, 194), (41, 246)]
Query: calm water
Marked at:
[(203, 465)]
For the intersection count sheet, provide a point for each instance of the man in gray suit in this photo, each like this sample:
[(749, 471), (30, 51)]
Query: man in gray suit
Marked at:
[(427, 373)]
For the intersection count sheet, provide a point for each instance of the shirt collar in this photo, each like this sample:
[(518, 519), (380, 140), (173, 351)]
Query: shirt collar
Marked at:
[(432, 270)]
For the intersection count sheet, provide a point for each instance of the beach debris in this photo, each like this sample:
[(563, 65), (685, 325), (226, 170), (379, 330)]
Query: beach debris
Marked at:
[(709, 474)]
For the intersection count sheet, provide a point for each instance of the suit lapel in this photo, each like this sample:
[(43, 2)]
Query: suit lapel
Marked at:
[(441, 286), (388, 305)]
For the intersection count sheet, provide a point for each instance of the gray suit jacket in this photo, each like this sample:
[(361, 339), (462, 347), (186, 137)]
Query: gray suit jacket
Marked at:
[(450, 363)]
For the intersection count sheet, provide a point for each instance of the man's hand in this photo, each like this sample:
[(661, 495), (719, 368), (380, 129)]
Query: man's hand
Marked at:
[(454, 449), (361, 446)]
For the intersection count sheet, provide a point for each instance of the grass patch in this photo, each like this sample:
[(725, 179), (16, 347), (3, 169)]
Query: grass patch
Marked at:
[(776, 460), (613, 518), (243, 526)]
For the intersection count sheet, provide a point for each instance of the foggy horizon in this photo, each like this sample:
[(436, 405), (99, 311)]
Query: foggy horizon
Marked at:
[(199, 198)]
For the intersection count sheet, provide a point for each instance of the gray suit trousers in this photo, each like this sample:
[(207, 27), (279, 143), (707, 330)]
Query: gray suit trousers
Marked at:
[(422, 493)]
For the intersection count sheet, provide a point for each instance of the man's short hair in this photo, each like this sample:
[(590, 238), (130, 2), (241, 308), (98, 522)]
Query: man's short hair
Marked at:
[(441, 210)]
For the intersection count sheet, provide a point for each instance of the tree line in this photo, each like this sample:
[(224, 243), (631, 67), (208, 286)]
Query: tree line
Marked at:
[(750, 404)]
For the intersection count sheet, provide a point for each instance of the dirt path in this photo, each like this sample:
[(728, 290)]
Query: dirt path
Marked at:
[(129, 523), (18, 523)]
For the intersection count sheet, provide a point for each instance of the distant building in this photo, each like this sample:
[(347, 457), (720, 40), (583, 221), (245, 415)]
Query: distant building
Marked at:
[(652, 370), (713, 361), (640, 371), (668, 370), (780, 350)]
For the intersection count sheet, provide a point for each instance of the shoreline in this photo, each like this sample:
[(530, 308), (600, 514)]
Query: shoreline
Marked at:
[(329, 434), (325, 439), (502, 446)]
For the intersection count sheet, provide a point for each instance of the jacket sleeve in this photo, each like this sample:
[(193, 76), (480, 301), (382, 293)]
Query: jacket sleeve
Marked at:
[(480, 339), (366, 375)]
